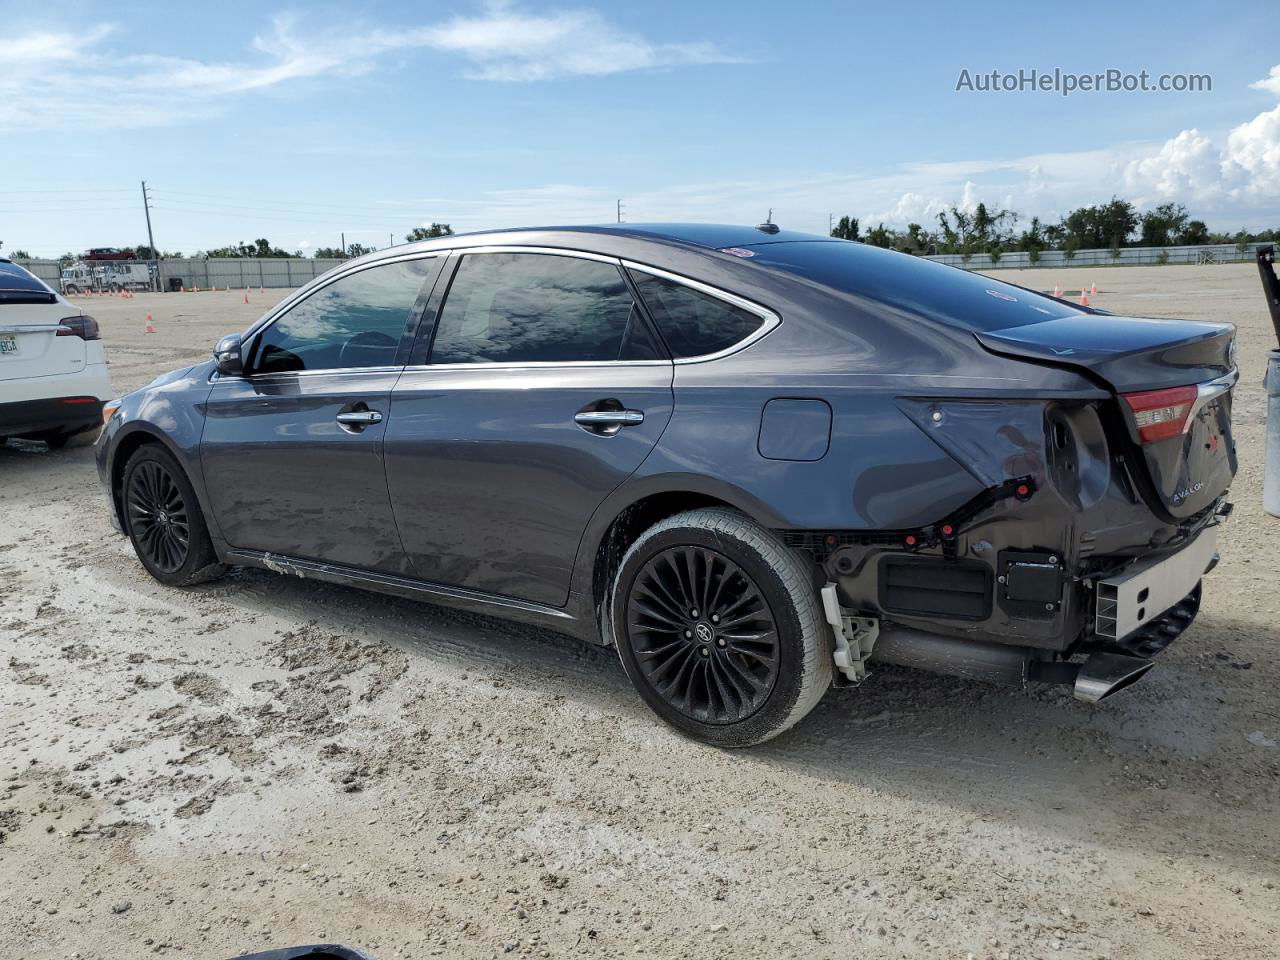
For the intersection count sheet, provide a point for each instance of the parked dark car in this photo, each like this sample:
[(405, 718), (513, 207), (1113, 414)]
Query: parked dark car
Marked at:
[(753, 460)]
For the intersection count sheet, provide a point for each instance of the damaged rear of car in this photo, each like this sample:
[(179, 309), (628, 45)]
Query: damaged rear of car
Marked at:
[(1100, 449)]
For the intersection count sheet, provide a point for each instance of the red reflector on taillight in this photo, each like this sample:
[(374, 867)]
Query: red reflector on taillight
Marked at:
[(1160, 414), (83, 326), (80, 400)]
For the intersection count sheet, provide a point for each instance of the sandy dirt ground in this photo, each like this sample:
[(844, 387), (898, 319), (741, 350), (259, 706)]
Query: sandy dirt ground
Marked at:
[(265, 761)]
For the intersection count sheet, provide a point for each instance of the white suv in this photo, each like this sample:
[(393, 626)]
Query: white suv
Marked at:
[(53, 374)]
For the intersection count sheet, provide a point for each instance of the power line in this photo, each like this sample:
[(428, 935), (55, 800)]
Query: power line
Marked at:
[(272, 217), (275, 202)]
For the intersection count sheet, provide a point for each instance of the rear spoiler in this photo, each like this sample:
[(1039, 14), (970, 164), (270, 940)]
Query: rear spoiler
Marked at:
[(1270, 284)]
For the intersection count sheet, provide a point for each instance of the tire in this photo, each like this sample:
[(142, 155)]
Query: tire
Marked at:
[(734, 680), (163, 519)]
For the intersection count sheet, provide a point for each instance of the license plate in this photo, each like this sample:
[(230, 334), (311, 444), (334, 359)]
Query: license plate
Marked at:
[(8, 344)]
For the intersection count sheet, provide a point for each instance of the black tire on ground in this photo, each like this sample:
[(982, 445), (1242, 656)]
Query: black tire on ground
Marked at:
[(719, 628), (163, 519)]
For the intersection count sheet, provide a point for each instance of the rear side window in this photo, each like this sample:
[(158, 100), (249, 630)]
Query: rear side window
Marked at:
[(693, 323), (19, 286), (539, 308), (958, 298), (356, 321)]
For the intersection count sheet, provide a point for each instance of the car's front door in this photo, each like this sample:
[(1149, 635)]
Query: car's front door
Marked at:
[(292, 451), (544, 390)]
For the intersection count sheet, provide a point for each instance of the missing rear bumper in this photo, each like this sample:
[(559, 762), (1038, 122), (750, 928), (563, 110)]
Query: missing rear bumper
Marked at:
[(1149, 588)]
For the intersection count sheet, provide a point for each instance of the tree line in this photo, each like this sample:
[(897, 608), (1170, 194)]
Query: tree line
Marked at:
[(262, 247), (1111, 225)]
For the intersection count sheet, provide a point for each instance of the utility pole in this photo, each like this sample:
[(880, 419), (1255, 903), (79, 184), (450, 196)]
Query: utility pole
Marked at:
[(831, 224), (155, 254), (391, 239), (343, 235), (619, 209)]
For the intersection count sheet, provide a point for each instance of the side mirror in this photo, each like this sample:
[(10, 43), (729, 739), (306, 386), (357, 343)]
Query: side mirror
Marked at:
[(227, 356)]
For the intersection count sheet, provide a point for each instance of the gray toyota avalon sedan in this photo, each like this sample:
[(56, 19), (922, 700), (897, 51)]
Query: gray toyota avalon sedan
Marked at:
[(757, 462)]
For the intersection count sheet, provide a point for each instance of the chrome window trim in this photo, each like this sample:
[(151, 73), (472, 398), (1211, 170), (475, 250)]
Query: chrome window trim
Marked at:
[(771, 320), (289, 374), (554, 251), (535, 364)]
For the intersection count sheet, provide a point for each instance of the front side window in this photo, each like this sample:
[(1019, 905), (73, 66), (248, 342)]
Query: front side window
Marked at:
[(539, 308), (693, 323), (356, 321)]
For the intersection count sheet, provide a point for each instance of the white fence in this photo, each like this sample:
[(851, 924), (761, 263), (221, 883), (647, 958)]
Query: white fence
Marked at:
[(1127, 257), (199, 272)]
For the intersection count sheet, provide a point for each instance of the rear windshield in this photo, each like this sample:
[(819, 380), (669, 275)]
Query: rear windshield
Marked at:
[(935, 291), (19, 286)]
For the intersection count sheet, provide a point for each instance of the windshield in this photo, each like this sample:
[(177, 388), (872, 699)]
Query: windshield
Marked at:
[(937, 292)]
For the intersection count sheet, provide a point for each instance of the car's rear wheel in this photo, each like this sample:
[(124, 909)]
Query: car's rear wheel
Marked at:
[(163, 519), (719, 628)]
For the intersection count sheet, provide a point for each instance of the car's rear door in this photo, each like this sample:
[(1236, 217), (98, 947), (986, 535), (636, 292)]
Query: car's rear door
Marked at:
[(292, 452), (545, 389)]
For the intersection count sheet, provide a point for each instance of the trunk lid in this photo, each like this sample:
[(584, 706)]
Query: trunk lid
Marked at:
[(1183, 473), (30, 345)]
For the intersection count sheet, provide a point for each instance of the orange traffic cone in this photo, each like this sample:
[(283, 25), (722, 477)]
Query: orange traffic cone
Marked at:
[(1057, 290), (1084, 298), (150, 328), (1093, 291), (246, 294)]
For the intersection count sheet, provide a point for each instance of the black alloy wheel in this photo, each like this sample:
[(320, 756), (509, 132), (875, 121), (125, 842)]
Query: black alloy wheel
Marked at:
[(704, 635), (158, 517)]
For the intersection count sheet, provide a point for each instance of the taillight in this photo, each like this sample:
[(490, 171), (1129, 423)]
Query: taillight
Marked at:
[(83, 326), (1161, 414)]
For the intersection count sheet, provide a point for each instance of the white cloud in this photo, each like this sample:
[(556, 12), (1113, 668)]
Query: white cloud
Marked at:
[(49, 47), (507, 45), (1188, 165), (1270, 82), (63, 79), (1251, 159)]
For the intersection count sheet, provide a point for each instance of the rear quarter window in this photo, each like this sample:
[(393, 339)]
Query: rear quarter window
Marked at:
[(19, 286), (934, 291), (693, 323)]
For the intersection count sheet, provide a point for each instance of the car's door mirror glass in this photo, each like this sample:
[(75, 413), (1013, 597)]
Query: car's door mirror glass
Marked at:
[(227, 355)]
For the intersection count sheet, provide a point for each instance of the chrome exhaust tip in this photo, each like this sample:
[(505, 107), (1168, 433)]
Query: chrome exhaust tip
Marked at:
[(1106, 673)]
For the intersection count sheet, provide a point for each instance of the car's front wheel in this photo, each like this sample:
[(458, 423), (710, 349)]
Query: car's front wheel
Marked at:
[(163, 519), (719, 628)]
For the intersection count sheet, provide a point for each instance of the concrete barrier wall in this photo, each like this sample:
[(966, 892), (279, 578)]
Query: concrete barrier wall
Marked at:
[(234, 272), (294, 271), (1128, 257)]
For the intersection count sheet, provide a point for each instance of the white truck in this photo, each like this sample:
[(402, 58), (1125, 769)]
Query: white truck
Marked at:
[(105, 276)]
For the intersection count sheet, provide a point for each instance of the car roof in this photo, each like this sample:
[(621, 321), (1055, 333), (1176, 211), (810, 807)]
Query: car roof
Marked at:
[(703, 236), (713, 236)]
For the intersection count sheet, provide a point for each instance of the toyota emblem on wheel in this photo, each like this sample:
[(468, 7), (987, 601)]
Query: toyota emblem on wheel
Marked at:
[(704, 632)]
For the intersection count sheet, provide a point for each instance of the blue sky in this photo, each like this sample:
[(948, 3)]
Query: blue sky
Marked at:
[(298, 123)]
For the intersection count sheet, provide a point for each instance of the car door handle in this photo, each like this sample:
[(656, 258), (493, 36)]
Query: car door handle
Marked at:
[(608, 418), (359, 418)]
